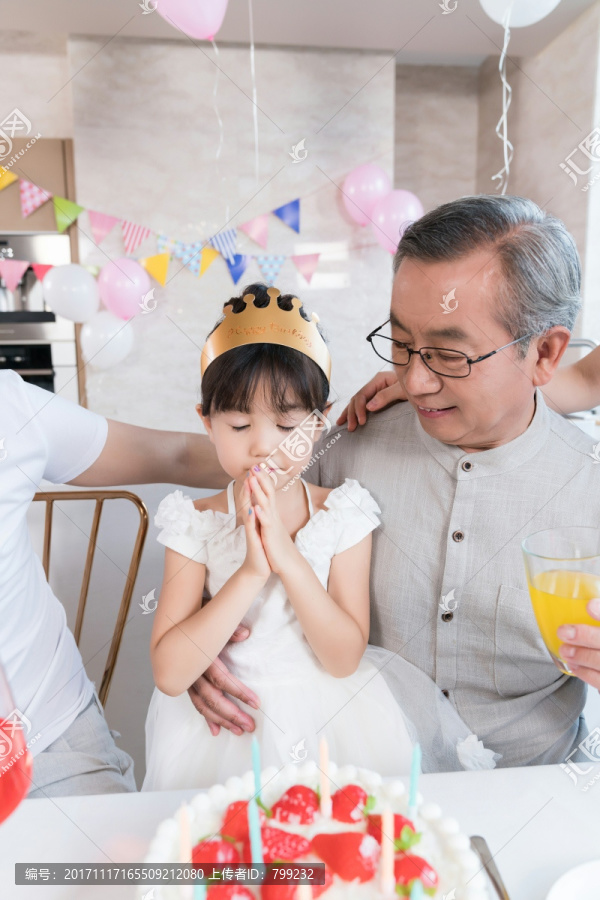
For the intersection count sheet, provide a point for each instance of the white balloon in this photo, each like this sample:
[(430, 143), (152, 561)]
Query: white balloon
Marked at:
[(524, 12), (72, 292), (106, 340)]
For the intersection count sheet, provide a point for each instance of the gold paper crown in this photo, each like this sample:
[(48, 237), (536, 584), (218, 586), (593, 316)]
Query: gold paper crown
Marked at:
[(269, 325)]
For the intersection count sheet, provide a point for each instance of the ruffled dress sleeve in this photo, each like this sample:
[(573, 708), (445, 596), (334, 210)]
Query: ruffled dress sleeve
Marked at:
[(355, 513), (185, 529)]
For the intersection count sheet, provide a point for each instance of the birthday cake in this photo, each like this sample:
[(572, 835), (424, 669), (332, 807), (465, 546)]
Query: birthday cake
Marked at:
[(428, 847)]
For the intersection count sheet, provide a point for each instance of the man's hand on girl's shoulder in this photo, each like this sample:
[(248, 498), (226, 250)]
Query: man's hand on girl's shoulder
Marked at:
[(381, 391)]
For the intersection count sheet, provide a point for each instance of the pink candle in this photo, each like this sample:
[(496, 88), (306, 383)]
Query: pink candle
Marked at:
[(388, 882), (185, 848), (325, 786)]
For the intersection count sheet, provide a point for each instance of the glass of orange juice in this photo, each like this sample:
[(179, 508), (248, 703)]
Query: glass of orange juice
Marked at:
[(563, 575)]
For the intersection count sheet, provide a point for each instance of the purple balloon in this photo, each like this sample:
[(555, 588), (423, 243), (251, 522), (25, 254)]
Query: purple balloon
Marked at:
[(123, 285), (363, 187), (392, 215), (199, 19)]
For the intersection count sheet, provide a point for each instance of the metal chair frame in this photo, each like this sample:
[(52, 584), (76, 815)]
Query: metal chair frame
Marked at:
[(49, 498)]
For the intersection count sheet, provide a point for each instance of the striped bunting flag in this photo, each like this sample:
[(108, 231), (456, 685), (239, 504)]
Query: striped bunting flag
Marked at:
[(225, 243), (133, 235)]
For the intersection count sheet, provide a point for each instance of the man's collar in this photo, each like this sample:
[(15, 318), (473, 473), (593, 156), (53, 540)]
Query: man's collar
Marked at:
[(497, 460)]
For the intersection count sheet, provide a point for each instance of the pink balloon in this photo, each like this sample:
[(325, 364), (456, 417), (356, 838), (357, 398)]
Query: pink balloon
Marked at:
[(392, 215), (123, 284), (366, 185), (200, 19)]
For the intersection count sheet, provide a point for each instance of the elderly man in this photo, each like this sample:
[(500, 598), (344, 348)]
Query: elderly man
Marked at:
[(463, 472)]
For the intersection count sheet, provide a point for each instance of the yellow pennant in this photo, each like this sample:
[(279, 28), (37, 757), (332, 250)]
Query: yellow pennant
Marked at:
[(157, 266), (209, 254), (6, 178)]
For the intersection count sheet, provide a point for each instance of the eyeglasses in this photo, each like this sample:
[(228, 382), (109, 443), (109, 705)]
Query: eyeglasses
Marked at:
[(449, 363)]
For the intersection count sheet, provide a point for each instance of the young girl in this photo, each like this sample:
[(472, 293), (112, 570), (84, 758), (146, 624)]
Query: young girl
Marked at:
[(291, 561)]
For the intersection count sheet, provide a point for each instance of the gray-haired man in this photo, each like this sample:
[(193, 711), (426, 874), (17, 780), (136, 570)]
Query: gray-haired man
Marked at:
[(471, 465)]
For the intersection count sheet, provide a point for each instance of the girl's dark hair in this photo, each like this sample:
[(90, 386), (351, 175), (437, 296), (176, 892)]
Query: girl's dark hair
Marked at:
[(290, 378)]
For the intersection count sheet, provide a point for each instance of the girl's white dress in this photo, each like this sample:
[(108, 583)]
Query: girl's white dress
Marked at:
[(300, 702)]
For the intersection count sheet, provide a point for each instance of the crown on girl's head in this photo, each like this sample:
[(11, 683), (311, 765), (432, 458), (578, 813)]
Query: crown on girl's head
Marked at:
[(267, 325)]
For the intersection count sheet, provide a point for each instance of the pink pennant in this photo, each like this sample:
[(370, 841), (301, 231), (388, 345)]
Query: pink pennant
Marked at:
[(101, 224), (32, 197), (40, 270), (12, 271), (306, 264), (133, 235), (258, 229)]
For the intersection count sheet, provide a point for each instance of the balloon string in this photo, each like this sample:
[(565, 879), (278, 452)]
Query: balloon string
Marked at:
[(215, 104), (254, 103), (502, 175)]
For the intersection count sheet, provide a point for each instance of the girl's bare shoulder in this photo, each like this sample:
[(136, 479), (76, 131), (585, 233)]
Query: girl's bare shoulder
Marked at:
[(216, 502)]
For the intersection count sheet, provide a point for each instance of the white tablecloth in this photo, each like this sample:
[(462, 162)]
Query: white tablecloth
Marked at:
[(537, 822)]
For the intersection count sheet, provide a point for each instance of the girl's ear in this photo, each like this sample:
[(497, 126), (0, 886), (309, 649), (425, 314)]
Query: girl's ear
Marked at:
[(205, 420)]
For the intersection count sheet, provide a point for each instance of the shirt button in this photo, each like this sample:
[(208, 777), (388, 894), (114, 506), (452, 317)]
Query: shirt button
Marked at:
[(447, 616), (458, 536), (446, 693), (467, 466)]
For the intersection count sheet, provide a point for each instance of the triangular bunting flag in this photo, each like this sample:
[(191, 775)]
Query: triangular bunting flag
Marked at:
[(289, 213), (157, 266), (225, 242), (133, 235), (101, 224), (6, 178), (269, 267), (188, 254), (66, 212), (209, 254), (32, 197), (258, 229), (40, 270), (306, 264), (238, 266), (12, 271)]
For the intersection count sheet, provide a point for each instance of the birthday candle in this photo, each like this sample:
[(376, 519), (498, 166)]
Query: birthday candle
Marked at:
[(304, 892), (388, 882), (416, 892), (185, 847), (199, 892), (256, 765), (254, 828), (325, 786), (415, 770)]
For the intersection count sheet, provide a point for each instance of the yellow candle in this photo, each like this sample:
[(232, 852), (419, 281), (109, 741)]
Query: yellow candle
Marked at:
[(387, 852), (325, 786)]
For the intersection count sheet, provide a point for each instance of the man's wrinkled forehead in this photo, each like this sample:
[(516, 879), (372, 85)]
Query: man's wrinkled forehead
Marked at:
[(452, 332)]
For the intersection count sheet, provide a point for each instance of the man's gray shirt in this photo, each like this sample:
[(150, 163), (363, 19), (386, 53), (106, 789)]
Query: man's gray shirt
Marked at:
[(454, 521)]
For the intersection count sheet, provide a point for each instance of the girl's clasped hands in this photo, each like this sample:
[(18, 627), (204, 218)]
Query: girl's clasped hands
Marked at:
[(269, 547)]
